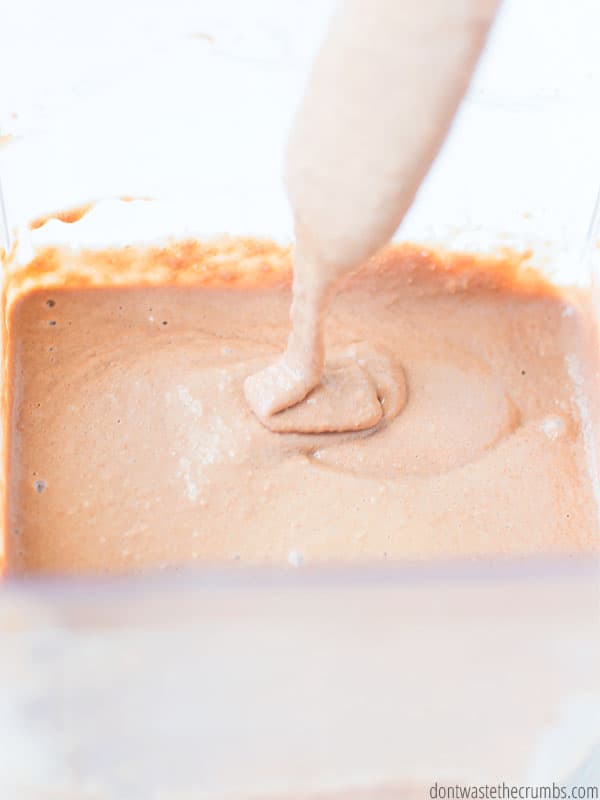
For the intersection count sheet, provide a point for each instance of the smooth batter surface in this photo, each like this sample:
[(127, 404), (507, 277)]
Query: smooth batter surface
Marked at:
[(131, 444)]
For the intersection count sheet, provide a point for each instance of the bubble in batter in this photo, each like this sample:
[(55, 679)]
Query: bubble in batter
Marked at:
[(554, 426)]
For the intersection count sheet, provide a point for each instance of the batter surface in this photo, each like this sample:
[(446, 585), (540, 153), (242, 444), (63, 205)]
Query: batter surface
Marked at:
[(131, 445)]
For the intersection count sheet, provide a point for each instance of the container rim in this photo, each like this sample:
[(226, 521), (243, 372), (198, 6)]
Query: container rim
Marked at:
[(371, 575)]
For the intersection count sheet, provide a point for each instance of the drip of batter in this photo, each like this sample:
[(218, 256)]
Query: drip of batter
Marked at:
[(381, 96)]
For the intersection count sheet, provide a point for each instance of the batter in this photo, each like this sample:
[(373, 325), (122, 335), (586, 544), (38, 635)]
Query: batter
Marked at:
[(131, 445), (449, 419), (380, 98)]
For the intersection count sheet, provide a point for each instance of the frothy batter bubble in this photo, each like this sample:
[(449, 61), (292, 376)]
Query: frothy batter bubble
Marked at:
[(554, 426)]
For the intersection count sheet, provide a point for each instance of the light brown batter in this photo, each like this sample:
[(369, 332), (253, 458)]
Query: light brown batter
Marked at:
[(130, 443), (380, 98)]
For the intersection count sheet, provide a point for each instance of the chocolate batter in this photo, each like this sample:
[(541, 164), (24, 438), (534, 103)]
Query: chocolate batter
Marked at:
[(130, 444)]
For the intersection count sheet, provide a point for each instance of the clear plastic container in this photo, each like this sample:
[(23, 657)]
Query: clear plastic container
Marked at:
[(275, 684)]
